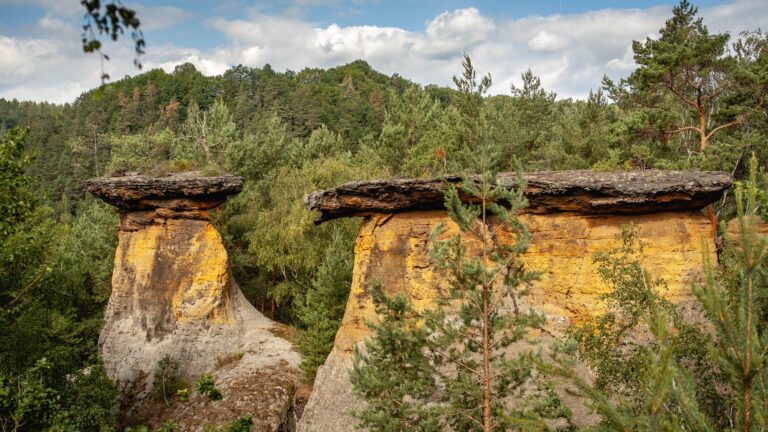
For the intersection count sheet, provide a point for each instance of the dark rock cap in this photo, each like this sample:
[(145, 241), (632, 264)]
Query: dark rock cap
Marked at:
[(581, 191), (178, 191)]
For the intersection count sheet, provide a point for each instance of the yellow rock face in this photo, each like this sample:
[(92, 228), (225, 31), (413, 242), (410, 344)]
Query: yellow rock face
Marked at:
[(393, 250), (173, 272), (173, 295)]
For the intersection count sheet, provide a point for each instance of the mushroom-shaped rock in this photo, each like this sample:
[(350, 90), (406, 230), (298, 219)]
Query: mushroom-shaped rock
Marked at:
[(173, 295), (572, 215)]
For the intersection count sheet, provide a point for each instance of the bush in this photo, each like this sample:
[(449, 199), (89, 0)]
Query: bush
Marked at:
[(168, 426), (207, 386), (183, 394), (166, 381), (244, 423)]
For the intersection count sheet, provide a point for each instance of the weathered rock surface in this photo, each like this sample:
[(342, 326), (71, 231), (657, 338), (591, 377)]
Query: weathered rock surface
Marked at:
[(180, 191), (173, 294), (264, 392), (393, 249), (579, 191)]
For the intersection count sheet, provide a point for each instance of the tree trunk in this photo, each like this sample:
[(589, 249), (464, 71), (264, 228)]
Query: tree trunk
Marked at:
[(486, 321), (747, 368), (702, 122), (486, 365), (712, 219)]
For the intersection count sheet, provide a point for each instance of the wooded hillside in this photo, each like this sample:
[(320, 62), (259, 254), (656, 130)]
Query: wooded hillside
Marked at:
[(697, 100)]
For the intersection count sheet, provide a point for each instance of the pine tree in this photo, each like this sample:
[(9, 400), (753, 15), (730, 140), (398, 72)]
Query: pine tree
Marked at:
[(464, 341), (686, 71), (395, 375), (736, 308), (211, 130), (323, 307)]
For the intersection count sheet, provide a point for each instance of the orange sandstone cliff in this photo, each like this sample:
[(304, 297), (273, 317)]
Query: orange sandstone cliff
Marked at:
[(173, 294), (571, 216)]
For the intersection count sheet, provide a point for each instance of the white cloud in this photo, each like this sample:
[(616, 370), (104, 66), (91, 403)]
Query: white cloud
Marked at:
[(546, 41), (167, 58), (53, 67), (625, 62), (569, 52)]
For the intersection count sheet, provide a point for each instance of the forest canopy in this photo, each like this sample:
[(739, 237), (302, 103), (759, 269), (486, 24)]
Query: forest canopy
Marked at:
[(697, 100)]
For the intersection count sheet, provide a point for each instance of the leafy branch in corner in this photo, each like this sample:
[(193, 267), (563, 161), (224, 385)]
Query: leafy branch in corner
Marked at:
[(111, 18)]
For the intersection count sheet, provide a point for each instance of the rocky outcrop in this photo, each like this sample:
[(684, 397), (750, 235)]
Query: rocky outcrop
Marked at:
[(581, 191), (173, 294), (569, 221)]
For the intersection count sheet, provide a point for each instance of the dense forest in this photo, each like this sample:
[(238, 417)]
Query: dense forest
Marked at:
[(696, 100)]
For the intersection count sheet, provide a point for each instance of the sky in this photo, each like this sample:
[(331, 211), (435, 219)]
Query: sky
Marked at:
[(570, 44)]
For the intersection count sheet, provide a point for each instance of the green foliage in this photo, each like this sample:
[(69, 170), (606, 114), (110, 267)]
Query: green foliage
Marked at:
[(54, 282), (112, 18), (27, 400), (144, 153), (166, 381), (290, 133), (418, 135), (426, 370), (616, 344), (210, 132), (323, 307), (393, 375), (183, 394), (244, 423), (678, 91), (33, 401), (257, 154), (288, 258), (450, 367), (89, 402), (735, 303), (473, 127), (15, 200), (676, 392), (168, 426), (533, 109), (206, 386)]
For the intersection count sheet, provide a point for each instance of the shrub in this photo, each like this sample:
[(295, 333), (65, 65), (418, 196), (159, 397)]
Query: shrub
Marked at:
[(166, 381), (207, 386)]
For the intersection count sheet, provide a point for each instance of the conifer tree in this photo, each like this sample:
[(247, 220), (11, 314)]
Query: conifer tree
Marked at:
[(394, 375), (323, 305), (480, 376), (685, 70), (736, 308), (454, 371)]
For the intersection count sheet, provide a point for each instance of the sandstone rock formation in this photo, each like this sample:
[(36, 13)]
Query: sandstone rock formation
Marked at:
[(579, 191), (572, 215), (173, 294)]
